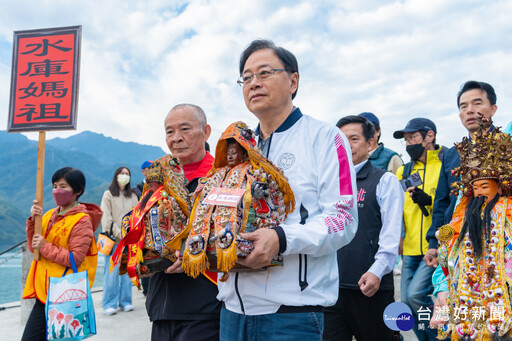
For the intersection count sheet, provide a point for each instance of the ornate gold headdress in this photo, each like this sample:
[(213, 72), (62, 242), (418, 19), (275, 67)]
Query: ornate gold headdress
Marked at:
[(167, 170), (154, 173), (487, 156)]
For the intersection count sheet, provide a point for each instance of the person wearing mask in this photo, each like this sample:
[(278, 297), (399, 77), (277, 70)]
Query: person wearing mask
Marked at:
[(419, 179), (67, 229), (118, 200)]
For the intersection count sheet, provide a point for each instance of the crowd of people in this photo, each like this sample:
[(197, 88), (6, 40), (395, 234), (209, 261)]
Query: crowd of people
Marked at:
[(356, 207)]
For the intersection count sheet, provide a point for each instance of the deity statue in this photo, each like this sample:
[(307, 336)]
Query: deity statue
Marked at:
[(475, 250), (263, 201), (155, 229)]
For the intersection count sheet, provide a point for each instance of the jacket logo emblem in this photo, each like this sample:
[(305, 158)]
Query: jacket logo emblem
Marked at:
[(286, 160), (361, 194)]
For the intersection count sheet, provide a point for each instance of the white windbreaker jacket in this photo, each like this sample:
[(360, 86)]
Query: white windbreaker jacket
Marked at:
[(317, 160)]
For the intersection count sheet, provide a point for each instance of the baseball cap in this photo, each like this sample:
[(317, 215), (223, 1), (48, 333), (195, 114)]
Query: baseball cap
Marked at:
[(146, 164), (372, 118), (416, 124)]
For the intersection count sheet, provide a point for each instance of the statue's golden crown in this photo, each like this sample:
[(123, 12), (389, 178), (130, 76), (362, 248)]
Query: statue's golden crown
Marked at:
[(487, 156)]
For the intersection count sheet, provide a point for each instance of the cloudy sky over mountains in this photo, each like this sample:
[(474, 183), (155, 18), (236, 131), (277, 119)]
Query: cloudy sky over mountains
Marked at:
[(398, 59)]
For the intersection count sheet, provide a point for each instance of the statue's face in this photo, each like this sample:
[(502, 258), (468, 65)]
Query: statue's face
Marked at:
[(486, 187), (235, 154), (153, 186)]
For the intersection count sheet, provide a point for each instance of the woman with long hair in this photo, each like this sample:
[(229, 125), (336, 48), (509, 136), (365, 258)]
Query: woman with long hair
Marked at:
[(118, 200), (68, 228)]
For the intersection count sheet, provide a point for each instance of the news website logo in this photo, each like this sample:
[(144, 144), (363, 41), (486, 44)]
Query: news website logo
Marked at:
[(398, 317)]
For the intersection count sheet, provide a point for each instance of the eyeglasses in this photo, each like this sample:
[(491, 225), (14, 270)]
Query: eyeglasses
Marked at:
[(412, 138), (262, 75)]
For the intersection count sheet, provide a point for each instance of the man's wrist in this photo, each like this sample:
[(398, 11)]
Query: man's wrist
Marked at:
[(282, 238)]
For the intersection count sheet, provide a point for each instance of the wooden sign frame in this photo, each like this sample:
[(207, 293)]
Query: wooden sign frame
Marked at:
[(44, 90), (44, 79)]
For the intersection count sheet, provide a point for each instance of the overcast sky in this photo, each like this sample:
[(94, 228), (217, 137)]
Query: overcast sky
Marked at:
[(397, 59)]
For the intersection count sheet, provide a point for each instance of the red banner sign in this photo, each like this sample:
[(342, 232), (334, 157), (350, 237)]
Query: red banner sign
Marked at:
[(44, 81)]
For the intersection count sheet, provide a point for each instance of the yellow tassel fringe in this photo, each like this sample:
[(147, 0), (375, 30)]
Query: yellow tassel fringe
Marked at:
[(194, 265), (226, 258)]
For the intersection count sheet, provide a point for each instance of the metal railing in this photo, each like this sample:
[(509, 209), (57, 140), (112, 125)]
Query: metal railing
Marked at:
[(13, 247), (5, 260)]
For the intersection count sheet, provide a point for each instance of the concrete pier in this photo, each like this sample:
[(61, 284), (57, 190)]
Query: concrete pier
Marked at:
[(133, 325)]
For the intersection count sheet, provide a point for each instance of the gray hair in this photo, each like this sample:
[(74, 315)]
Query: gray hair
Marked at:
[(201, 116)]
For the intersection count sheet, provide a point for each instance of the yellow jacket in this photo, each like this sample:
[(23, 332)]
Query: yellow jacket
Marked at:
[(37, 280), (415, 223)]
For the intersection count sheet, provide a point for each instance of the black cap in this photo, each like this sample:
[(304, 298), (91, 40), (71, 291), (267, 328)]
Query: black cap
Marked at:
[(416, 124)]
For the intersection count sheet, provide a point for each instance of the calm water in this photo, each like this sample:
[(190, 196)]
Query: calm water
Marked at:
[(10, 276)]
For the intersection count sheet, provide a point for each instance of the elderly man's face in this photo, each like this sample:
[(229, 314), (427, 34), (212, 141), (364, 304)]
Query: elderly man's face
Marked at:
[(186, 135), (269, 95)]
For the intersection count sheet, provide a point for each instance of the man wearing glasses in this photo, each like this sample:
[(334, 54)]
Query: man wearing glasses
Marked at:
[(286, 302), (419, 180)]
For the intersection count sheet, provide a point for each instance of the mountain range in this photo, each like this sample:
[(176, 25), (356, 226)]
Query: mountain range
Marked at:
[(96, 155)]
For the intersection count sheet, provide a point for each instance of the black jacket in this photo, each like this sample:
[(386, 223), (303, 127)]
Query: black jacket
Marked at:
[(180, 297)]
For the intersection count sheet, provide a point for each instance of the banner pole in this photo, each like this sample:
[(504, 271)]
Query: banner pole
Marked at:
[(39, 185)]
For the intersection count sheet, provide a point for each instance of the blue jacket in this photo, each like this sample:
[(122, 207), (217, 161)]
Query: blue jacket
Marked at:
[(444, 203)]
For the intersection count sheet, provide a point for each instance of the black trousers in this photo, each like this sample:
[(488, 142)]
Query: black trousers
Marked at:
[(35, 329), (357, 315), (185, 330)]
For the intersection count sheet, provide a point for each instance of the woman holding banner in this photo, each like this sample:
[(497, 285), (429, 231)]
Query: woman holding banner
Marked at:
[(68, 228)]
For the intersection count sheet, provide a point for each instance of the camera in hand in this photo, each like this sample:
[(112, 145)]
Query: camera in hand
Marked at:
[(413, 180)]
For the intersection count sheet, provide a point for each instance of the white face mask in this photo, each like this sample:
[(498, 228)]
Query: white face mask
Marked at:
[(123, 179)]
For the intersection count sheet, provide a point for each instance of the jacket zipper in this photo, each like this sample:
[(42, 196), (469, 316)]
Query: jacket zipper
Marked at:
[(303, 281), (421, 226), (238, 294)]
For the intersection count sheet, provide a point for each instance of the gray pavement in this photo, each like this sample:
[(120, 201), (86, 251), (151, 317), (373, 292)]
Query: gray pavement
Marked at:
[(408, 335), (133, 325)]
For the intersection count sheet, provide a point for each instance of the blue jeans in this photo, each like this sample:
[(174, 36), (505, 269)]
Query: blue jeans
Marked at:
[(278, 327), (117, 290), (415, 290)]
